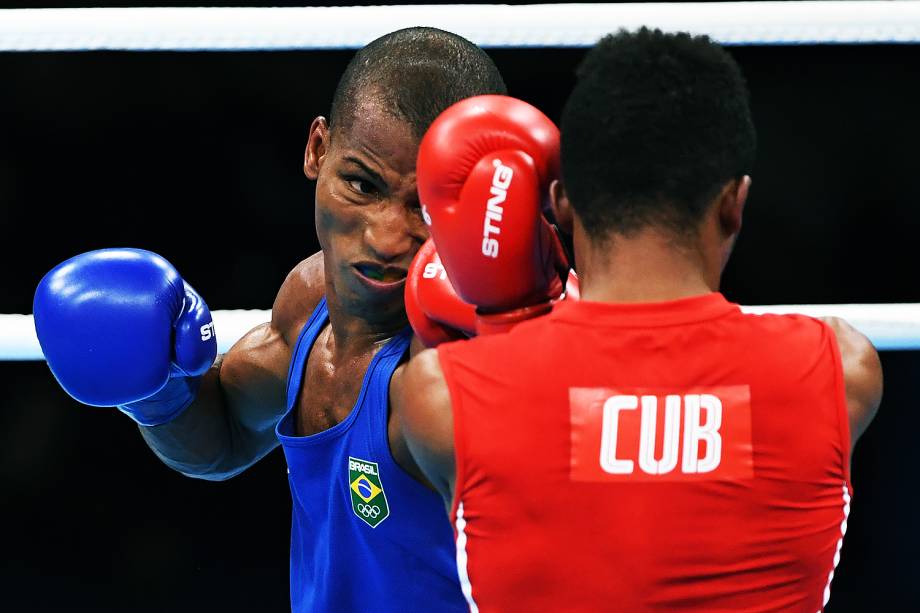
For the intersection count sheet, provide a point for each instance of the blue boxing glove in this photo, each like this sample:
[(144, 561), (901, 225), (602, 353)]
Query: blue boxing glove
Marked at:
[(119, 327)]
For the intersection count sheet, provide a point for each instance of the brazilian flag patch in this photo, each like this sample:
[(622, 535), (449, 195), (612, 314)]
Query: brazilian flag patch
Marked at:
[(368, 500)]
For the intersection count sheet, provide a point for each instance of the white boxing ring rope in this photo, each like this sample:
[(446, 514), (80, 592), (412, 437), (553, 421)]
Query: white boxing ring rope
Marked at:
[(547, 25), (888, 326)]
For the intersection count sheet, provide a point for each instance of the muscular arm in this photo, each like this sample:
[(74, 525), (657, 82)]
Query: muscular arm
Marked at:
[(421, 401), (230, 425), (862, 373)]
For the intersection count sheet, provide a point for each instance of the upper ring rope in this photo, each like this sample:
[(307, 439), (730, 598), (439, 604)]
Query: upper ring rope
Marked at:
[(546, 25), (888, 326)]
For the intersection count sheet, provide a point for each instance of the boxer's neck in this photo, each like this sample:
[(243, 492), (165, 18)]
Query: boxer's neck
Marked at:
[(649, 266), (355, 332)]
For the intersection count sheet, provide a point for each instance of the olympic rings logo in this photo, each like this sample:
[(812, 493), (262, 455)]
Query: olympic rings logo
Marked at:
[(369, 510)]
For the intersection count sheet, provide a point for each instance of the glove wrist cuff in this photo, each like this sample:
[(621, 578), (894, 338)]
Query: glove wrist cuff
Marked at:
[(166, 405), (494, 323)]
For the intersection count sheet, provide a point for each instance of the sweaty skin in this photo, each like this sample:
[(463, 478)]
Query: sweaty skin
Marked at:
[(647, 266), (369, 225)]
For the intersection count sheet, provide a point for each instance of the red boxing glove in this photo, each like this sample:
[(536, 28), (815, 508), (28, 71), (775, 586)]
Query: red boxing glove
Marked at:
[(436, 312), (484, 169), (438, 315)]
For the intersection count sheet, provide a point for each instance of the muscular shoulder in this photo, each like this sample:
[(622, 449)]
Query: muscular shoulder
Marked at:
[(862, 373), (788, 346), (299, 294), (528, 347), (423, 373)]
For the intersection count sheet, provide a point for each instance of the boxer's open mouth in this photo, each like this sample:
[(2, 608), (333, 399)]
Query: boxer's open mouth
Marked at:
[(381, 274)]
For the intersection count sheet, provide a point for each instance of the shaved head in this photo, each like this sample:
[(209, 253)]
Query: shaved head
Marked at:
[(414, 74)]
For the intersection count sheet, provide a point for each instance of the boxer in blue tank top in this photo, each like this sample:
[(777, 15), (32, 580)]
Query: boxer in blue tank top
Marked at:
[(356, 509), (368, 531)]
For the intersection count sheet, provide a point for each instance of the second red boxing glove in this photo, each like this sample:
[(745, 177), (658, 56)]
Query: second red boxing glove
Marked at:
[(438, 315), (435, 311)]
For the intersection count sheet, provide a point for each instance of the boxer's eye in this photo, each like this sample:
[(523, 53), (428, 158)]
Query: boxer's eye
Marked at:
[(362, 186)]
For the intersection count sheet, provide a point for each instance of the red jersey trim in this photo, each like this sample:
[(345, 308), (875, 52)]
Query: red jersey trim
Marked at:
[(447, 367), (843, 412)]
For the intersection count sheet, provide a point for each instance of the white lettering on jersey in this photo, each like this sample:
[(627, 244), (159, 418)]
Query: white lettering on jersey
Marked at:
[(648, 432), (697, 429), (361, 466), (501, 181), (609, 460)]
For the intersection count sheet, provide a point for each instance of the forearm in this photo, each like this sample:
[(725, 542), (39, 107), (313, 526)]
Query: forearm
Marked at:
[(223, 431), (198, 442)]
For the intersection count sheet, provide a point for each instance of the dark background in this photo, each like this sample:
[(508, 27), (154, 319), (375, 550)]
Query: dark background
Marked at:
[(198, 156)]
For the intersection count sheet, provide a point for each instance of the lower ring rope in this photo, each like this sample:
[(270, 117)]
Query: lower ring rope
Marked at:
[(888, 326)]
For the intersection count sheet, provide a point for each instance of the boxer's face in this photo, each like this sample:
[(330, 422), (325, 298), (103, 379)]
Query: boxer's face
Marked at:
[(368, 217)]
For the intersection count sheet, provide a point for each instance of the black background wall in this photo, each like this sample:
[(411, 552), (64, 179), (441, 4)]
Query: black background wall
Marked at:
[(198, 156)]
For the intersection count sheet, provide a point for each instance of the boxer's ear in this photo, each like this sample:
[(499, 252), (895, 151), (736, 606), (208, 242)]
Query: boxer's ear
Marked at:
[(317, 145), (561, 207), (731, 205)]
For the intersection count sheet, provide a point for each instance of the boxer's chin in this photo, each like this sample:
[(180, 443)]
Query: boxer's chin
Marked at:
[(377, 298)]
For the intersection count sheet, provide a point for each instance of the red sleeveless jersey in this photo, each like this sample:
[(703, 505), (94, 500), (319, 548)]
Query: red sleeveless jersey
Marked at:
[(637, 457)]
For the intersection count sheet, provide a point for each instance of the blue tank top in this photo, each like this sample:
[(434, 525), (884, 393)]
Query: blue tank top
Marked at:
[(365, 536)]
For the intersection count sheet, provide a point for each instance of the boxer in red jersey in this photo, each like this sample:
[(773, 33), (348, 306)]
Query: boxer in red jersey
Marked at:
[(650, 447)]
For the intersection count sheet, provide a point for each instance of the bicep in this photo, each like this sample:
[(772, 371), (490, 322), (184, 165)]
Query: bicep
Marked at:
[(422, 401), (253, 375), (252, 378)]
